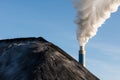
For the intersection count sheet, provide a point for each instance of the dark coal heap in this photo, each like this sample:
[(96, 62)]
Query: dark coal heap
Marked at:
[(38, 59)]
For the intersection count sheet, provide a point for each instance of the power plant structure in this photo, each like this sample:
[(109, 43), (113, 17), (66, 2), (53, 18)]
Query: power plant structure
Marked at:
[(82, 56)]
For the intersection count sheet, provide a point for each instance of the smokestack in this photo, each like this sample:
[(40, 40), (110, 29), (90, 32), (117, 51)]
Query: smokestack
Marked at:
[(82, 55)]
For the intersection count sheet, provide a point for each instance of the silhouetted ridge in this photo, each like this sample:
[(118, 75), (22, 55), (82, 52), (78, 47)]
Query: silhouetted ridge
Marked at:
[(24, 39)]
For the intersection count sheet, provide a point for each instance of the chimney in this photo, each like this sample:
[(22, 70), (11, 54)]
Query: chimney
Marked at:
[(82, 55)]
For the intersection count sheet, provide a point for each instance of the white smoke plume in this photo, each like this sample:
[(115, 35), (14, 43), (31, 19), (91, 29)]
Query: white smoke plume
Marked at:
[(91, 14)]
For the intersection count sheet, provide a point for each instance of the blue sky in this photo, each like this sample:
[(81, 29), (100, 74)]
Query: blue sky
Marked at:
[(54, 20)]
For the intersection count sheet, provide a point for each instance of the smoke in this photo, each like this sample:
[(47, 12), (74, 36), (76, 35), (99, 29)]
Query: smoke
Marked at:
[(91, 14)]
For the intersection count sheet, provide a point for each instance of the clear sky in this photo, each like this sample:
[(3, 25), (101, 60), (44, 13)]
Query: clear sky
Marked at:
[(54, 20)]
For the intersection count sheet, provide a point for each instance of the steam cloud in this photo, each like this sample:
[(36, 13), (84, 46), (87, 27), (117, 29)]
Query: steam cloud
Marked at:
[(91, 14)]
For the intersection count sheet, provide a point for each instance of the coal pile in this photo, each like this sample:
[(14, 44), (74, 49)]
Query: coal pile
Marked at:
[(38, 59)]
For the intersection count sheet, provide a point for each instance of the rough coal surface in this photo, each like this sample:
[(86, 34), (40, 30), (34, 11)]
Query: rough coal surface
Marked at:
[(38, 59)]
